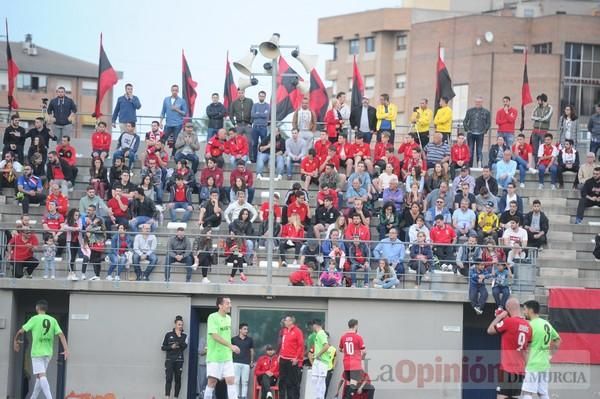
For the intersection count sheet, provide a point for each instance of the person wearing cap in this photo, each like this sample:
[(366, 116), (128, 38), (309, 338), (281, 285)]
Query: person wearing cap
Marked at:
[(438, 208), (181, 198), (464, 177), (267, 372), (128, 144), (295, 150), (179, 249), (488, 222), (186, 146), (483, 198), (363, 119)]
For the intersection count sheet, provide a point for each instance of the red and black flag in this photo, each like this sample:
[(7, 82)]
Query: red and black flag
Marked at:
[(289, 97), (319, 100), (188, 89), (230, 89), (525, 94), (358, 87), (107, 78), (13, 71), (443, 87), (575, 314)]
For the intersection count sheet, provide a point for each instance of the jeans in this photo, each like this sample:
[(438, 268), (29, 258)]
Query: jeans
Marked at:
[(186, 206), (288, 165), (171, 132), (501, 294), (475, 140), (118, 262), (49, 266), (211, 131), (503, 182), (367, 137), (242, 374), (39, 198), (152, 259), (365, 272), (508, 137), (536, 141), (553, 173), (594, 147), (62, 130), (523, 167), (131, 156), (202, 378), (478, 295), (137, 221), (233, 160), (308, 136), (585, 203), (387, 283), (193, 158), (187, 260), (258, 134), (263, 158)]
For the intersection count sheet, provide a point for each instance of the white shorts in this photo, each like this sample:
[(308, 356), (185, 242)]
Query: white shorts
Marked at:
[(319, 369), (220, 370), (39, 365), (536, 382)]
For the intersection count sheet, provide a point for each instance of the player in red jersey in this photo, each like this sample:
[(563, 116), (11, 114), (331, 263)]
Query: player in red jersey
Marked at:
[(515, 335), (353, 348)]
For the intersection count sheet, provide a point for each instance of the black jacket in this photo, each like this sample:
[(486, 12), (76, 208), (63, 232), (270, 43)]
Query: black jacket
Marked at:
[(575, 164), (493, 154), (139, 208), (356, 115), (326, 216), (174, 355), (544, 222), (65, 167), (215, 113), (492, 183)]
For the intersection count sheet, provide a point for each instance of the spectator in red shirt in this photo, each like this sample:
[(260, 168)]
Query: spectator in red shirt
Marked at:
[(216, 147), (392, 159), (459, 154), (523, 155), (325, 192), (357, 228), (334, 121), (158, 154), (344, 151), (442, 233), (299, 207), (101, 140), (52, 225), (61, 201), (505, 119), (119, 204), (362, 152), (267, 371), (181, 198), (21, 247), (67, 152), (309, 169), (291, 356), (408, 146), (245, 174), (59, 172), (154, 136), (380, 151), (292, 236), (238, 146), (301, 277), (263, 214), (547, 155), (322, 146), (416, 159)]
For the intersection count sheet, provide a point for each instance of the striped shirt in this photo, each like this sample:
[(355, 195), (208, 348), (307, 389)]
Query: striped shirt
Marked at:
[(435, 153)]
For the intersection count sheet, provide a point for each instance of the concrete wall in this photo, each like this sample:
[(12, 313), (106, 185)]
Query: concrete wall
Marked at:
[(115, 341), (7, 315)]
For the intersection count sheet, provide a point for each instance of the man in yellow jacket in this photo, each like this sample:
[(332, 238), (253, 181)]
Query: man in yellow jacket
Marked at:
[(386, 117), (443, 120), (422, 117)]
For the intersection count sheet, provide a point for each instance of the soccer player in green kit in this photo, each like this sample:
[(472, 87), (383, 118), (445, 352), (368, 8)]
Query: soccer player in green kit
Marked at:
[(43, 330), (219, 350), (544, 341), (321, 360)]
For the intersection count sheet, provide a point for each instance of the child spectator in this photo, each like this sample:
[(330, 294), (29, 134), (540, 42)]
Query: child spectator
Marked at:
[(500, 286), (309, 169), (385, 276), (49, 254), (235, 250), (121, 244), (292, 236), (477, 290), (421, 258), (331, 277), (101, 140), (128, 144), (302, 276)]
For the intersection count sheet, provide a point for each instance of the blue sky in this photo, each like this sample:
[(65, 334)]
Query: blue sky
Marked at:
[(144, 38)]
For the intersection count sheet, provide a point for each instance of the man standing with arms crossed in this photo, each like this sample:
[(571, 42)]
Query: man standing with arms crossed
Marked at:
[(353, 347), (219, 350), (544, 342), (43, 330), (291, 356), (515, 335), (321, 362)]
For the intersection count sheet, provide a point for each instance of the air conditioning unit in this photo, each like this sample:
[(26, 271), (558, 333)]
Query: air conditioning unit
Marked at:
[(32, 50)]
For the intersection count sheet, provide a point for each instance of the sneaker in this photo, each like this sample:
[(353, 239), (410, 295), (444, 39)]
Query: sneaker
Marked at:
[(74, 277), (279, 177), (195, 266), (45, 276), (94, 278), (107, 259), (117, 278), (29, 276), (205, 280), (283, 264), (259, 177), (243, 277), (83, 277), (477, 310), (108, 278), (553, 187), (578, 220), (540, 186), (53, 277), (426, 277), (230, 280), (522, 185), (269, 395), (532, 170)]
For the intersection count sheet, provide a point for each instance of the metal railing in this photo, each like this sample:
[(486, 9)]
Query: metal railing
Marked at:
[(218, 257)]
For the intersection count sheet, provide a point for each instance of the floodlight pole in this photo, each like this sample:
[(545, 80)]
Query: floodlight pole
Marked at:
[(272, 162)]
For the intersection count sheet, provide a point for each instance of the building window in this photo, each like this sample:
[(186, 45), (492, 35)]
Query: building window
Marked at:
[(528, 13), (519, 48), (460, 102), (334, 86), (3, 80), (32, 83), (88, 87), (542, 48), (400, 81), (401, 41), (67, 84), (369, 83), (353, 46), (335, 51), (349, 84), (581, 77), (369, 44)]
